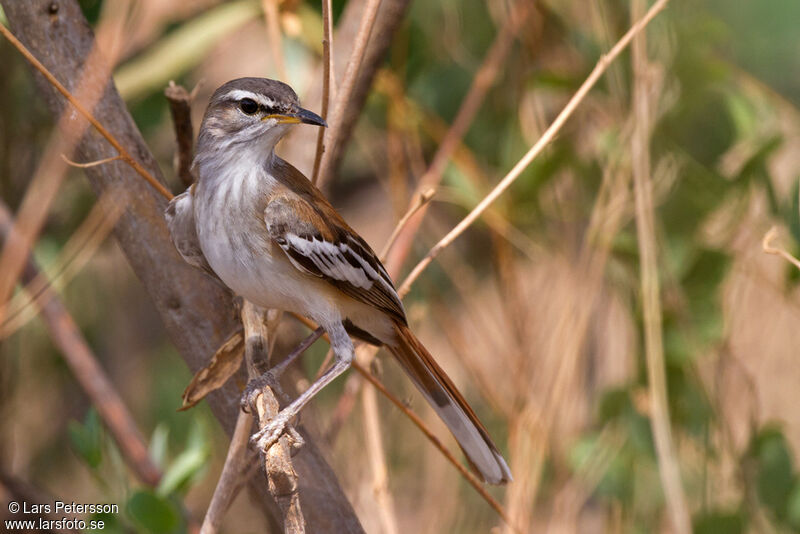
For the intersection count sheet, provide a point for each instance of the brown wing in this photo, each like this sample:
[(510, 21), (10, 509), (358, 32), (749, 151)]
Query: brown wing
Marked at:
[(317, 241)]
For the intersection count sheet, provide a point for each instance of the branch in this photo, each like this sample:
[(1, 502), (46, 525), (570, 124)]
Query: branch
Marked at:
[(180, 108), (196, 312), (281, 475)]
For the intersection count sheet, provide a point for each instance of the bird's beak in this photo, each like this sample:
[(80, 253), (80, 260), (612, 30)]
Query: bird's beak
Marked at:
[(301, 115)]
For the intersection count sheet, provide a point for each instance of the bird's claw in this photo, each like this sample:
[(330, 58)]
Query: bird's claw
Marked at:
[(271, 433)]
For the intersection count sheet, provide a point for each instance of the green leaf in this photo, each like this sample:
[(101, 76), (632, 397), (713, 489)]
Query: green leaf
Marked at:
[(719, 522), (159, 443), (187, 465), (775, 478), (87, 439), (153, 513)]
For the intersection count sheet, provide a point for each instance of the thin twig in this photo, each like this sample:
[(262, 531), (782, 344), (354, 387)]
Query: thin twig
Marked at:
[(327, 72), (377, 462), (417, 204), (83, 364), (80, 247), (274, 34), (668, 467), (537, 148), (346, 89), (180, 108), (91, 163), (473, 481), (124, 154), (50, 171), (766, 244), (233, 474)]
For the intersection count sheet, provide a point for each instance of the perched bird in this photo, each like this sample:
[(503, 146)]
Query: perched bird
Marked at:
[(262, 228)]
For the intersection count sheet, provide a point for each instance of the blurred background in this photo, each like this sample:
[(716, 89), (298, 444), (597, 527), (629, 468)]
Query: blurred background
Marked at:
[(536, 312)]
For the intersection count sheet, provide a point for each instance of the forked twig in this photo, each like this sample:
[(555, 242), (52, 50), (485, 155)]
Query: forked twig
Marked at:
[(281, 475), (766, 244), (123, 154)]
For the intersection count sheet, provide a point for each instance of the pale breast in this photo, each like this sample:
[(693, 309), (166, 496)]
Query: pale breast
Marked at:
[(232, 234)]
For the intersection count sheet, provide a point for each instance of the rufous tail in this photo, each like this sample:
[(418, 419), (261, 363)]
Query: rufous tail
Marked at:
[(441, 393)]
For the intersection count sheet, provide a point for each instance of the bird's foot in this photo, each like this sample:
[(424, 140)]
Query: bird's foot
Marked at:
[(271, 433)]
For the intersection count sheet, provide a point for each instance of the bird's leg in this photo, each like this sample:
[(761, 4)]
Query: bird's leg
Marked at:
[(343, 352), (270, 378)]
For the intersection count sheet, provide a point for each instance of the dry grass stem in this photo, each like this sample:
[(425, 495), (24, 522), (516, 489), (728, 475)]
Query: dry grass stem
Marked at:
[(272, 20), (91, 163), (420, 424), (377, 462), (484, 78), (537, 148), (668, 467), (233, 474), (345, 92), (83, 364), (124, 154), (420, 200), (75, 254), (327, 73), (766, 244), (51, 170)]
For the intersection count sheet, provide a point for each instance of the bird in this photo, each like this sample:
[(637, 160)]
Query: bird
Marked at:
[(258, 225)]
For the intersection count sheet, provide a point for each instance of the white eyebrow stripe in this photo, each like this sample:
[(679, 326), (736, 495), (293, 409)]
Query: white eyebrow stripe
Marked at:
[(239, 94)]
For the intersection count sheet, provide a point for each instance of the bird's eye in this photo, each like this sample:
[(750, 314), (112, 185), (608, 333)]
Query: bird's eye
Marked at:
[(248, 106)]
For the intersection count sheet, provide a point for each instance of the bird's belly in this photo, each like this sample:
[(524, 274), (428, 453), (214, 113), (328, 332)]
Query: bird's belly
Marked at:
[(257, 269)]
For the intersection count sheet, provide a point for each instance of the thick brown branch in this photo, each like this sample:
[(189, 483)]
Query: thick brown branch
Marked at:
[(180, 107)]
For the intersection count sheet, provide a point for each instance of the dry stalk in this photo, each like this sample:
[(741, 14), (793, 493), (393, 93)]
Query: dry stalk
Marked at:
[(233, 474), (537, 148), (84, 110), (484, 78), (80, 247), (51, 170), (375, 451), (327, 74), (420, 424), (281, 475), (668, 467), (345, 92), (271, 15), (766, 245), (83, 364)]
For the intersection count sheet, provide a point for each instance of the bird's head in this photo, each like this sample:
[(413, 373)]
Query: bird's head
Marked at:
[(251, 114)]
